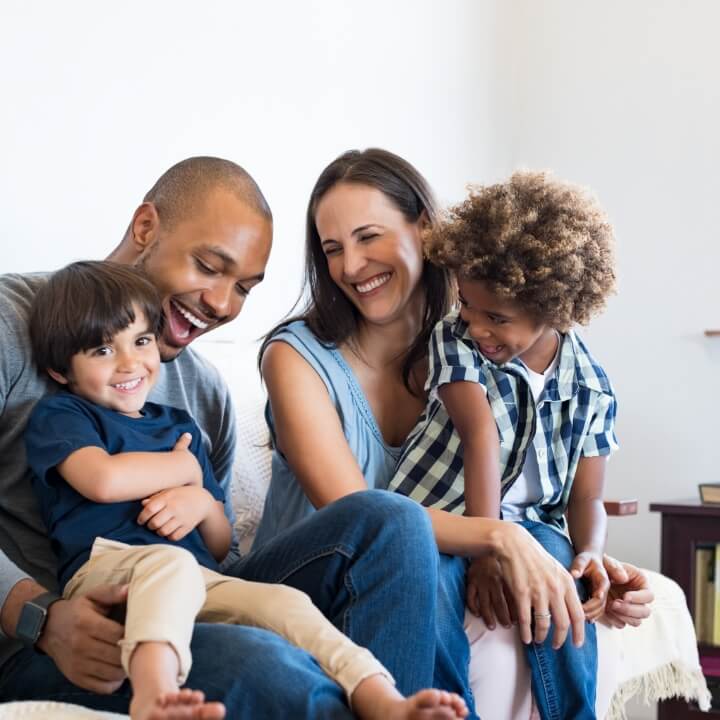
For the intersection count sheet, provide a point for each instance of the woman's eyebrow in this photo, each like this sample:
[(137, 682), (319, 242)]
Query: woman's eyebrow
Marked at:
[(363, 227)]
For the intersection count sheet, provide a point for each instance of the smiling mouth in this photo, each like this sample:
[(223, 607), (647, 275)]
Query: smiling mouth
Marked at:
[(129, 386), (491, 349), (372, 284), (182, 326)]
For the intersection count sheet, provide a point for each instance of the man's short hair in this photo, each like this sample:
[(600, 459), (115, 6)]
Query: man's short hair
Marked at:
[(84, 305), (180, 191)]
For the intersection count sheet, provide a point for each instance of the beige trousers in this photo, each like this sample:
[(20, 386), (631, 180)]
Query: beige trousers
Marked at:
[(169, 590)]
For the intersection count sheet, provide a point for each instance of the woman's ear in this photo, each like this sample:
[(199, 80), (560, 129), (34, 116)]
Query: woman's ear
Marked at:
[(144, 227), (58, 377)]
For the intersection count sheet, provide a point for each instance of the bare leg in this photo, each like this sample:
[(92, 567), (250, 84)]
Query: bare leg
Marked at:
[(375, 698), (156, 696)]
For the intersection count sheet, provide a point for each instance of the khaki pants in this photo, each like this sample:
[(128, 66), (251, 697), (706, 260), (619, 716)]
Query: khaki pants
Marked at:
[(169, 590)]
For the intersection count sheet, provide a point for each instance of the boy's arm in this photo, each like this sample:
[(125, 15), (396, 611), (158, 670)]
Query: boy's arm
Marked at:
[(467, 405), (106, 478), (587, 523), (587, 519)]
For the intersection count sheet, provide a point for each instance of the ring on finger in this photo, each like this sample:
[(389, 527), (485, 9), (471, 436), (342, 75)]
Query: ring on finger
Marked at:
[(542, 615)]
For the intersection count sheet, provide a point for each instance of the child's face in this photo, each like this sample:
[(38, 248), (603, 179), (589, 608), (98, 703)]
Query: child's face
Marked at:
[(120, 374), (502, 329)]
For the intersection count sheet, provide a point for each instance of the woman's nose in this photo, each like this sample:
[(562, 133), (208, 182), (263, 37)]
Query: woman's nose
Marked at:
[(354, 262)]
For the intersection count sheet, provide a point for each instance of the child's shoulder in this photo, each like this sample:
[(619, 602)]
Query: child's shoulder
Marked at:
[(61, 401), (588, 371)]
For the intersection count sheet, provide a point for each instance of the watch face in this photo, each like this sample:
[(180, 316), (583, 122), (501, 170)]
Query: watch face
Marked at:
[(30, 623)]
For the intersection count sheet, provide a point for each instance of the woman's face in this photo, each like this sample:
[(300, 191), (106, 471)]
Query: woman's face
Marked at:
[(374, 254)]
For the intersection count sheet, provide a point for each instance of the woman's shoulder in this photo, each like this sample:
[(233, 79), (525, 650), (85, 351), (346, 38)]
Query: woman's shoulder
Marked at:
[(299, 336)]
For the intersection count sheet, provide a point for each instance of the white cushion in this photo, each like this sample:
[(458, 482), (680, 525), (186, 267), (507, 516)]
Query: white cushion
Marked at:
[(44, 710)]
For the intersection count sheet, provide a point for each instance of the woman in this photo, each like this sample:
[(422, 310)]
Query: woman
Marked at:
[(345, 386)]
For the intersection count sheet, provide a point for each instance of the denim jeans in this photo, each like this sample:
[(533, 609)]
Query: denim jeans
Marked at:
[(564, 681), (369, 562), (254, 672)]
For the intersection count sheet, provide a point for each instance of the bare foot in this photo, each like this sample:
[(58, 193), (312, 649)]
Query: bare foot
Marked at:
[(181, 705), (430, 705)]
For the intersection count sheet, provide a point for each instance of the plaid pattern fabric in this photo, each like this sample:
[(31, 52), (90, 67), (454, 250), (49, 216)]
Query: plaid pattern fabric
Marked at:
[(574, 417)]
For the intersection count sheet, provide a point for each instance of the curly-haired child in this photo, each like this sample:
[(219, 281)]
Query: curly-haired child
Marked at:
[(520, 417)]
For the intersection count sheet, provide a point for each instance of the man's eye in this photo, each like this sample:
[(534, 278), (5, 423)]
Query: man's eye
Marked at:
[(242, 291), (462, 300), (497, 320)]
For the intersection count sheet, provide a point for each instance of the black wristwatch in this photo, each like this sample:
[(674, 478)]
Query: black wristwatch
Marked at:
[(33, 616)]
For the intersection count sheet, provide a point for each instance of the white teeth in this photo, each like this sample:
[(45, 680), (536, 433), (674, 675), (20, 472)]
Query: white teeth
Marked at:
[(373, 283), (130, 385), (192, 319)]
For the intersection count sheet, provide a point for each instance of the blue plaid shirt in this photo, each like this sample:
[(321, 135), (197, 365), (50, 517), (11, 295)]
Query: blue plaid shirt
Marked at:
[(573, 418)]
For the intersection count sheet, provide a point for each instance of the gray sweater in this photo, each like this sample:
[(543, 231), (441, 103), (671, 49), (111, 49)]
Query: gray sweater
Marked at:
[(189, 382)]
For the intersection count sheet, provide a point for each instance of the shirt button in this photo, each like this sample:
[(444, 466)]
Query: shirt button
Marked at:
[(541, 453)]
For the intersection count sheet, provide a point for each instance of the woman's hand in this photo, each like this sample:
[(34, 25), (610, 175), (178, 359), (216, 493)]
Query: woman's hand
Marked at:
[(175, 512), (540, 587), (629, 596)]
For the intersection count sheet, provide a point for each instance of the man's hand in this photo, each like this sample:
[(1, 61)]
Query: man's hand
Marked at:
[(83, 641), (590, 565), (541, 588), (629, 596), (487, 595), (175, 512)]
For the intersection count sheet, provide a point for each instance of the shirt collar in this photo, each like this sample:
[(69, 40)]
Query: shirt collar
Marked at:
[(576, 367)]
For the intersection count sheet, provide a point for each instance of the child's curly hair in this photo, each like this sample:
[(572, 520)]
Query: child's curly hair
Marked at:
[(540, 242)]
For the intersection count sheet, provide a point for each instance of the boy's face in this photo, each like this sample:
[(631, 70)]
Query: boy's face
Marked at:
[(205, 266), (120, 374), (502, 329)]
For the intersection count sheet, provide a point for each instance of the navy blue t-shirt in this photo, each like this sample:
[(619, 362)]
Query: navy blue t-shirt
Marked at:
[(62, 423)]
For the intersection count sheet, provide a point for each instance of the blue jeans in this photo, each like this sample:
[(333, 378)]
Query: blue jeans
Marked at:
[(369, 562), (240, 666), (564, 681)]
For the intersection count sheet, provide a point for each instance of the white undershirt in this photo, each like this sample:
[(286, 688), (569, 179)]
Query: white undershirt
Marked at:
[(527, 490)]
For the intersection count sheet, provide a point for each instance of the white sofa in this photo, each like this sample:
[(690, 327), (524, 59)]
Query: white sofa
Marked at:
[(655, 661)]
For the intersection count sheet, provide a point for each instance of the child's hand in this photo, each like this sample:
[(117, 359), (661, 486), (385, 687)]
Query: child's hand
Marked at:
[(195, 476), (590, 566), (175, 512), (487, 595)]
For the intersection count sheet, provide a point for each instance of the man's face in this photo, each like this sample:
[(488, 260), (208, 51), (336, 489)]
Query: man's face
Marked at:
[(205, 266)]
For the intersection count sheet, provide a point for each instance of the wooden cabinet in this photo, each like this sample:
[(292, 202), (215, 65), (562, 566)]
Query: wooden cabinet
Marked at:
[(685, 526)]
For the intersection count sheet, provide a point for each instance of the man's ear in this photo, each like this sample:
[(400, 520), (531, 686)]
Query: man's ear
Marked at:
[(144, 227), (57, 377)]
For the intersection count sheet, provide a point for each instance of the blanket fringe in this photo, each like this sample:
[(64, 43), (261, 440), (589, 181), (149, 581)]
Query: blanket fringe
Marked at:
[(667, 681)]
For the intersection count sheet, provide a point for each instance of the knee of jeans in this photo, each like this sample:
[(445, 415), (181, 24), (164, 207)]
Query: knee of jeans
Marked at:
[(396, 513)]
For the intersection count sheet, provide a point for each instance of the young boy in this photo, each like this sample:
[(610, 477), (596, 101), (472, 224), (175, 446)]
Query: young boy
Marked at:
[(520, 417), (128, 497)]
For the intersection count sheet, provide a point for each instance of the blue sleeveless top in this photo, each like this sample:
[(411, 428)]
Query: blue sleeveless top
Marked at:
[(286, 502)]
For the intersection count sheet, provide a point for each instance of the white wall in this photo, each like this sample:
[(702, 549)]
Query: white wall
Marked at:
[(98, 100)]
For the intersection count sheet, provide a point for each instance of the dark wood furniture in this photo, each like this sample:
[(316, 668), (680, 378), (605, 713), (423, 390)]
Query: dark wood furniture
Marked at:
[(685, 525)]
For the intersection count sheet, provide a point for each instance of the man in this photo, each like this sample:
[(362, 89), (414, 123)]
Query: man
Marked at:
[(203, 235)]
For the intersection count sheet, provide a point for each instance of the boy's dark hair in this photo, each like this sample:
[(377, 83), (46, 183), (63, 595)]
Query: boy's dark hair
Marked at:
[(328, 313), (543, 243), (84, 305)]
